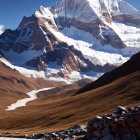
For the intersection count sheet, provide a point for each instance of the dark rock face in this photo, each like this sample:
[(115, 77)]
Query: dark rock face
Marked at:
[(122, 124), (126, 18), (17, 40), (68, 58), (29, 35), (37, 63)]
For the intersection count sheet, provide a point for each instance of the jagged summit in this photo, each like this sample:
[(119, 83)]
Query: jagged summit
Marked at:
[(92, 10), (101, 19)]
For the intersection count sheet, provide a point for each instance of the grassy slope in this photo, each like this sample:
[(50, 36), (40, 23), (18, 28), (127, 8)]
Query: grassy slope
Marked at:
[(13, 85), (64, 110)]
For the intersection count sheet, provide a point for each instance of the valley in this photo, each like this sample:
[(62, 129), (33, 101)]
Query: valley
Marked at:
[(67, 64)]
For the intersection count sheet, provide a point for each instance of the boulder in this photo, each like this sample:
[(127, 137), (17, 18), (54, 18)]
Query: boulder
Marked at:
[(119, 109)]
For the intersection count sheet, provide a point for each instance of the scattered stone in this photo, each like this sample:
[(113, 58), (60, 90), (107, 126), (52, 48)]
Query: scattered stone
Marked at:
[(119, 109), (67, 134), (123, 124), (6, 133)]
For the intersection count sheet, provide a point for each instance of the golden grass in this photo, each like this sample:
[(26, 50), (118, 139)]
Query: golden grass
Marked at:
[(55, 112), (13, 85)]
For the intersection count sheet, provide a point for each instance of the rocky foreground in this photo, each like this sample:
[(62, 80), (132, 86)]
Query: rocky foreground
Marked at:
[(122, 124), (70, 133)]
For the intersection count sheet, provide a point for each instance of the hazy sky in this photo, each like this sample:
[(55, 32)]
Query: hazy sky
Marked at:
[(12, 11)]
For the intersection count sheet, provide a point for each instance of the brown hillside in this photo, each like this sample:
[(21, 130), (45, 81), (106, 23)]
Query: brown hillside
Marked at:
[(55, 112), (129, 67), (14, 85)]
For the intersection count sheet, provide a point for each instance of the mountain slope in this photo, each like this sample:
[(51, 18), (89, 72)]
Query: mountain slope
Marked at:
[(129, 67), (55, 112), (13, 85)]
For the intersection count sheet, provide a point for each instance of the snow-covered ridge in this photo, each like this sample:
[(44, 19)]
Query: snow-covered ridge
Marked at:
[(129, 34), (77, 9), (127, 9), (88, 10), (32, 96), (53, 69), (46, 13)]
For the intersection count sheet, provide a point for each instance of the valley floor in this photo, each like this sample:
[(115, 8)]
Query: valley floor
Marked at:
[(61, 111)]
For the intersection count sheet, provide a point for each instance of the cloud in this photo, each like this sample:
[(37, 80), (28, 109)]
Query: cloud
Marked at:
[(1, 29)]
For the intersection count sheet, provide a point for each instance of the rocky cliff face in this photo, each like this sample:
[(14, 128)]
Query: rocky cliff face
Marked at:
[(75, 38)]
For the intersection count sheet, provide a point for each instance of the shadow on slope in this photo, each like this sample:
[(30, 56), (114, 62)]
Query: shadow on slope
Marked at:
[(129, 67), (55, 112)]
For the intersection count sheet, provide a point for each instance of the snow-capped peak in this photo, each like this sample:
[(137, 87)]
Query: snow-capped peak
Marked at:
[(89, 37), (89, 11), (44, 12)]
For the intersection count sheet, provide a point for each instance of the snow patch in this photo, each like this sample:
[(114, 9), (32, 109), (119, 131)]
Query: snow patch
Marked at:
[(1, 29), (22, 58), (130, 36), (32, 96), (24, 71), (46, 13), (76, 76), (53, 68)]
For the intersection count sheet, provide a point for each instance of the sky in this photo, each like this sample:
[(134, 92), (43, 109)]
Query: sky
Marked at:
[(12, 11)]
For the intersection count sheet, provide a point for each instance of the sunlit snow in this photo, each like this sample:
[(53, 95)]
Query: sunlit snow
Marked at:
[(24, 71), (32, 96), (88, 49)]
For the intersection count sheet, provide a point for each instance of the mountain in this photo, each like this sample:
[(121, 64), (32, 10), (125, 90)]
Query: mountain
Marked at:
[(59, 111), (127, 68), (63, 47), (73, 40)]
